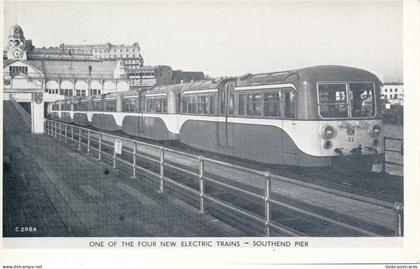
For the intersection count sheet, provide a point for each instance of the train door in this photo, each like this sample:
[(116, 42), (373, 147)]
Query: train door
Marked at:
[(224, 130)]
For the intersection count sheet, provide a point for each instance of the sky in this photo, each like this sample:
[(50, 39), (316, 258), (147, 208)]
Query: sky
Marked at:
[(227, 38)]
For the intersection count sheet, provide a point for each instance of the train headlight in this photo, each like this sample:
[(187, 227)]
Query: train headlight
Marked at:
[(327, 144), (328, 132), (375, 142), (376, 130)]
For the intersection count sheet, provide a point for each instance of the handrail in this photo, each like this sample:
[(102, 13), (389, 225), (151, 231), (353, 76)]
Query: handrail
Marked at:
[(25, 115), (60, 129), (394, 150)]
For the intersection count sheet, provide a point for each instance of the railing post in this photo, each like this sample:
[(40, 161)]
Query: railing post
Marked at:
[(55, 130), (71, 130), (100, 147), (161, 166), (201, 182), (60, 129), (267, 176), (88, 142), (80, 139), (383, 170), (399, 219), (65, 133), (134, 160), (114, 156)]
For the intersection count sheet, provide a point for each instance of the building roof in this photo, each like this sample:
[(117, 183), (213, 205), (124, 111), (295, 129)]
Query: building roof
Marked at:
[(52, 68)]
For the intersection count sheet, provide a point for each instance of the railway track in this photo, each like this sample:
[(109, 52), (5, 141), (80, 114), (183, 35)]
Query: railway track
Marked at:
[(293, 216)]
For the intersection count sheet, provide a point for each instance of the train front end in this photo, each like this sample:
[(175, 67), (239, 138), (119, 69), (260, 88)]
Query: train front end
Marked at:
[(343, 107)]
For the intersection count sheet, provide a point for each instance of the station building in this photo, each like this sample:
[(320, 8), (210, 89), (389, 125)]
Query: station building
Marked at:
[(393, 93), (79, 70)]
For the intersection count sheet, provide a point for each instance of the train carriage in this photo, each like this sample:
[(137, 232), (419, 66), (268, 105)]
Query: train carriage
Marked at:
[(312, 117)]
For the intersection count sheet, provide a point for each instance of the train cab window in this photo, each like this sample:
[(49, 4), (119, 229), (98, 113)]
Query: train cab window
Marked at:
[(332, 100), (361, 99)]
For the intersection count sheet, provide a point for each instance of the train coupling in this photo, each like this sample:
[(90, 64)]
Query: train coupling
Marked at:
[(356, 150), (372, 149), (339, 151)]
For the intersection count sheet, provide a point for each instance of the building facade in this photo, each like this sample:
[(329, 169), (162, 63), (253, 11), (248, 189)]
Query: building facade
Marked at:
[(81, 70), (393, 93)]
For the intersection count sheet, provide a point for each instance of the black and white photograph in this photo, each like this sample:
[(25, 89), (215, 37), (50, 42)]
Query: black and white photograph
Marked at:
[(262, 124)]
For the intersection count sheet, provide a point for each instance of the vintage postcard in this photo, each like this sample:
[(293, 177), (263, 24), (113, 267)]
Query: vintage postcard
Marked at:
[(257, 132)]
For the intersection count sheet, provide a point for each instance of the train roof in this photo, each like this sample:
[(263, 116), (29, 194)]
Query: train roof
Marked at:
[(308, 73)]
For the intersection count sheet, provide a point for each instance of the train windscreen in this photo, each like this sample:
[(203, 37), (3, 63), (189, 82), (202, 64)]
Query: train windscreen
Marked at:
[(362, 101), (342, 100), (333, 100)]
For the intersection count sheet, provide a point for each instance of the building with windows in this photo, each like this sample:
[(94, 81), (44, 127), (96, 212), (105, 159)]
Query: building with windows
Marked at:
[(80, 70), (393, 93)]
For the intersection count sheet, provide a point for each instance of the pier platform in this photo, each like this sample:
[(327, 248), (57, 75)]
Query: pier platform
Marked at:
[(51, 190)]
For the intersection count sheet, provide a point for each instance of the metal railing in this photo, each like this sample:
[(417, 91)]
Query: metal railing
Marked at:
[(84, 139), (25, 115), (399, 150)]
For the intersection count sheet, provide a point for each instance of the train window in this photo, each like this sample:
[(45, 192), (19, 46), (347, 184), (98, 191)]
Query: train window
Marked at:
[(213, 104), (254, 104), (76, 106), (242, 104), (361, 99), (110, 105), (192, 104), (203, 103), (289, 103), (130, 104), (272, 104), (97, 105), (333, 100), (84, 105), (150, 105), (184, 104), (231, 104)]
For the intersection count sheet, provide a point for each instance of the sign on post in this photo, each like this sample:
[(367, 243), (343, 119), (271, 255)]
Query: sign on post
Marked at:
[(118, 146)]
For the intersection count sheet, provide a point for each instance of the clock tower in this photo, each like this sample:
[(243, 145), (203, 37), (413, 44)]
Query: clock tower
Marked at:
[(16, 46)]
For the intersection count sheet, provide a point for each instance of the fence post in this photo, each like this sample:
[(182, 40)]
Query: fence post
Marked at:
[(267, 176), (60, 128), (114, 157), (161, 166), (100, 147), (65, 133), (134, 159), (399, 219), (55, 130), (88, 142), (80, 139), (383, 170), (201, 182), (71, 130)]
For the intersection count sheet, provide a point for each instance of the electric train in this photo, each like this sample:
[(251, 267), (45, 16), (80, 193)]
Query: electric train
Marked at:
[(318, 116)]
